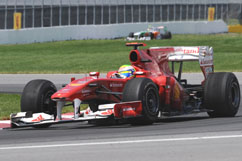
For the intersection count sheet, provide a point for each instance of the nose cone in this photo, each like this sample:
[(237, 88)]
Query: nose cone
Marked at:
[(68, 90), (76, 89)]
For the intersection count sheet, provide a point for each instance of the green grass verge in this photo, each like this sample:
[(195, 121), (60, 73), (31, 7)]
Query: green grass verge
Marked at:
[(104, 55), (9, 103)]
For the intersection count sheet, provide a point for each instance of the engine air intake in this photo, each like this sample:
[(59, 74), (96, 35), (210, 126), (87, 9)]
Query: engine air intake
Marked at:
[(134, 57)]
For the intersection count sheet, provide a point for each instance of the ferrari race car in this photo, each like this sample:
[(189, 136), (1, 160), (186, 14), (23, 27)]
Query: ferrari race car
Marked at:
[(160, 32), (153, 92)]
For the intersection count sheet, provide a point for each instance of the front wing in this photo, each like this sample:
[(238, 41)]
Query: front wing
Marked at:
[(118, 111)]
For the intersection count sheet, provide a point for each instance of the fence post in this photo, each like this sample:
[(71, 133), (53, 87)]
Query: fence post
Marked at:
[(15, 6), (161, 10), (78, 13), (124, 12), (109, 14), (174, 11), (132, 12), (86, 13), (146, 8), (42, 14), (94, 13), (240, 16), (193, 11), (24, 13), (154, 11), (69, 13), (205, 11), (168, 12), (227, 17), (117, 13), (180, 12), (51, 14), (139, 12), (60, 12), (222, 8), (187, 13), (102, 10), (6, 16), (33, 14)]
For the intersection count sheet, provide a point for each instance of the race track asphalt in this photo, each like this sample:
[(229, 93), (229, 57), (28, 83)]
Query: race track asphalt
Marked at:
[(186, 138), (14, 83)]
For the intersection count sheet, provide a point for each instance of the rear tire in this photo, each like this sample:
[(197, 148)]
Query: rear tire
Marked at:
[(36, 97), (222, 94), (144, 90), (152, 36), (169, 36), (161, 36), (131, 34)]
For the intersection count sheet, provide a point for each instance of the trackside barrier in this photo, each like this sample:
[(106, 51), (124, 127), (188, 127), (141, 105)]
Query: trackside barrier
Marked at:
[(235, 28), (82, 32)]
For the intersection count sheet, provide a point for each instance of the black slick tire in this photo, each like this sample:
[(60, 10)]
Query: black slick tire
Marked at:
[(131, 34), (146, 91), (152, 36), (36, 97), (222, 94), (169, 36)]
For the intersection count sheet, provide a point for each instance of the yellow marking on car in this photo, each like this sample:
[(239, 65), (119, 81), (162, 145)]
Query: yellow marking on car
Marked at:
[(73, 84)]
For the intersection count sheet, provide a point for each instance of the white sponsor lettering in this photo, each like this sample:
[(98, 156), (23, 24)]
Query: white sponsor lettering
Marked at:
[(186, 50), (128, 109), (86, 91), (116, 85)]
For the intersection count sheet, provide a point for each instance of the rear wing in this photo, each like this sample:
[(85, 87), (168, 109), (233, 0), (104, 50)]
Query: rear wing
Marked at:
[(203, 54)]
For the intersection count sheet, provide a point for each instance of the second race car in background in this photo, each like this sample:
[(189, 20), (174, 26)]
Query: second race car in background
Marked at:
[(151, 33)]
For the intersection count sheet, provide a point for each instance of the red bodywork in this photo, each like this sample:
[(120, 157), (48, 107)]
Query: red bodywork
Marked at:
[(118, 98), (149, 63)]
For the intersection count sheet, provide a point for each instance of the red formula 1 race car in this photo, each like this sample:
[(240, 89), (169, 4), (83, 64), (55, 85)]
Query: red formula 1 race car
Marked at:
[(151, 92)]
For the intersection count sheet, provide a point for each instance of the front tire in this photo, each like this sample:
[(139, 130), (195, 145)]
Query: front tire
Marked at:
[(144, 90), (222, 95), (36, 97)]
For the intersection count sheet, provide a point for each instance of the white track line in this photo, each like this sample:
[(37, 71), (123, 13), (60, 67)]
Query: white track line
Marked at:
[(124, 142)]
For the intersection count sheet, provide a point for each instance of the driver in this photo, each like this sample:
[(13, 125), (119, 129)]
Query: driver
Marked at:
[(125, 71)]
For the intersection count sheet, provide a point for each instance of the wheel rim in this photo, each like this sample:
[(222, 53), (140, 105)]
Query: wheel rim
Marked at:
[(235, 94), (48, 104), (152, 101)]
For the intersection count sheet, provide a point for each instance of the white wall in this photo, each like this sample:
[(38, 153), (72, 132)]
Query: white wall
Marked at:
[(33, 35)]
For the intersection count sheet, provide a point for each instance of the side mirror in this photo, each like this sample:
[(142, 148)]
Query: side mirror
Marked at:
[(94, 74)]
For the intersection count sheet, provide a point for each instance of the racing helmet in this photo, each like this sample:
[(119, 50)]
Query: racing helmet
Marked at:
[(126, 71)]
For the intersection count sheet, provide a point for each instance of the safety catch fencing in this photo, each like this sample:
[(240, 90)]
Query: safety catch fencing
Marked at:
[(48, 13)]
